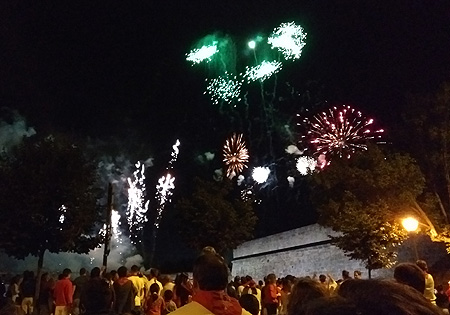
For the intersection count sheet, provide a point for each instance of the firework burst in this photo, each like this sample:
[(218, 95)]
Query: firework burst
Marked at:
[(306, 165), (260, 174), (235, 155), (338, 132), (204, 53), (226, 88), (263, 71), (289, 39)]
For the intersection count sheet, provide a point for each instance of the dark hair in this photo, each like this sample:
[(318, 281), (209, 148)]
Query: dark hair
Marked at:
[(410, 274), (249, 303), (422, 265), (373, 297), (44, 275), (154, 288), (322, 278), (271, 278), (66, 272), (83, 271), (303, 291), (122, 271), (168, 295), (335, 305), (208, 250), (210, 272), (345, 274), (134, 268), (95, 273)]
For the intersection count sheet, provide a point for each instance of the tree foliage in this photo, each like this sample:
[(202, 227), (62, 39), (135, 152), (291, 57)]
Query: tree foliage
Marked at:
[(364, 198), (212, 216), (426, 136), (39, 177)]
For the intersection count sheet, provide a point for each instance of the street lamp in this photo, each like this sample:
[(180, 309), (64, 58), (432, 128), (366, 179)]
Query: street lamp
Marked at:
[(410, 224), (252, 44)]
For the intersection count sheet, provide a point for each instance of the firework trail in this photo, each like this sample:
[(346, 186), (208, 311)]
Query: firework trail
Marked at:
[(338, 132), (235, 155), (165, 186), (137, 205)]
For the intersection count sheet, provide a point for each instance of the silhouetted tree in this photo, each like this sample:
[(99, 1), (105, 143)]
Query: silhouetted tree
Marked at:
[(212, 216)]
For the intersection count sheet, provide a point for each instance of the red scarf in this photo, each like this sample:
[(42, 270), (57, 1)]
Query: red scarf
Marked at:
[(217, 302)]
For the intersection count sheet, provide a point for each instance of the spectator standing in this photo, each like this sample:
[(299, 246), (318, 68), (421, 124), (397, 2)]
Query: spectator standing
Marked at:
[(63, 294), (210, 280), (27, 289), (270, 293), (251, 288), (429, 282), (79, 284), (167, 284), (97, 296), (154, 305), (45, 295), (441, 298), (139, 288), (124, 293), (169, 304), (285, 295), (183, 289), (153, 278)]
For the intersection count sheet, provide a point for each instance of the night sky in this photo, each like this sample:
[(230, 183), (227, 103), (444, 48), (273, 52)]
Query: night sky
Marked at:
[(117, 69)]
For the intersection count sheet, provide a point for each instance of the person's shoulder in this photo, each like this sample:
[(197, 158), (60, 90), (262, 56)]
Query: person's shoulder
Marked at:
[(244, 312), (193, 308)]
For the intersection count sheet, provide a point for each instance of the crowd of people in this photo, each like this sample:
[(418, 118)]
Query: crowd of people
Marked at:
[(210, 292)]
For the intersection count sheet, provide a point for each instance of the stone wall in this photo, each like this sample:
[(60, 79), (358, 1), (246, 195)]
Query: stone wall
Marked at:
[(306, 250)]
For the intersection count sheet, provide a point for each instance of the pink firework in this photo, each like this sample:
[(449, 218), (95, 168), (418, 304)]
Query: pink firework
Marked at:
[(235, 155), (338, 132)]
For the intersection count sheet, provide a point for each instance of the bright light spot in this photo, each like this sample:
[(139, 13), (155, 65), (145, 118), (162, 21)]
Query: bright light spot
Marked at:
[(260, 174), (410, 224), (63, 211), (306, 165), (204, 53), (252, 44), (289, 39), (263, 71), (291, 181)]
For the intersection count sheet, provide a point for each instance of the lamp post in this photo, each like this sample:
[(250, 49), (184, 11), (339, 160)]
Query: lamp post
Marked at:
[(410, 224)]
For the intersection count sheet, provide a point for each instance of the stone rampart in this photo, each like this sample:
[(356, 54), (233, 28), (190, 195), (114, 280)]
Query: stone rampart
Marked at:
[(299, 252)]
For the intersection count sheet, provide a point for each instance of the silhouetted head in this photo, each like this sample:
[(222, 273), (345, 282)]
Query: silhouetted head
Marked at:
[(410, 274), (210, 272)]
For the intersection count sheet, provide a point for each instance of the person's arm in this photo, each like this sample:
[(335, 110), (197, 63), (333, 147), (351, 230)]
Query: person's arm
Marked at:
[(69, 294)]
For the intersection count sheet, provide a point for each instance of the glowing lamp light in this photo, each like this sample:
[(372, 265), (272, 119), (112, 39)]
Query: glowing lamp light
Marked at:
[(260, 174), (410, 224), (252, 44)]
